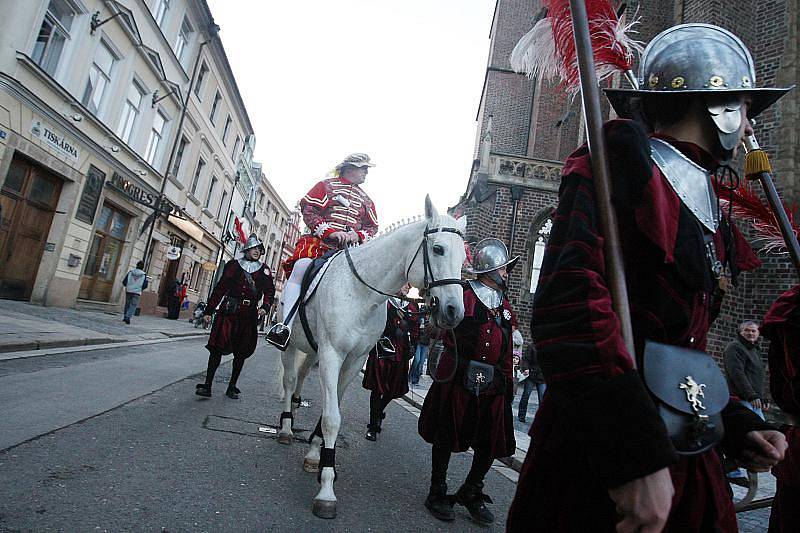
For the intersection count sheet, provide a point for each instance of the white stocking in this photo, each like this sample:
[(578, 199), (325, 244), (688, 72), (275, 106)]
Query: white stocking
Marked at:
[(291, 291)]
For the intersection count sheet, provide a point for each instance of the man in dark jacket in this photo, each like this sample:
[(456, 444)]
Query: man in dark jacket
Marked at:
[(534, 378), (745, 368)]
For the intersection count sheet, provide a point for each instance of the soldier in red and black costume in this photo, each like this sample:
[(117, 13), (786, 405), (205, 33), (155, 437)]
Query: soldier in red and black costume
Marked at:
[(234, 301), (338, 213), (782, 327), (469, 402), (386, 373), (601, 458)]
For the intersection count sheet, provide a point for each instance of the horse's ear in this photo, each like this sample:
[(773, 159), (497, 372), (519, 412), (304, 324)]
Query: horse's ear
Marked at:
[(430, 212), (462, 224)]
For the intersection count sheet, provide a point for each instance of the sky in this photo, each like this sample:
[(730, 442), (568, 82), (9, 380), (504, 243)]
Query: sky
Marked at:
[(400, 81)]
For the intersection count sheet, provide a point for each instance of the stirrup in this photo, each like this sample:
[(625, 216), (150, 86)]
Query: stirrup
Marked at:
[(279, 335)]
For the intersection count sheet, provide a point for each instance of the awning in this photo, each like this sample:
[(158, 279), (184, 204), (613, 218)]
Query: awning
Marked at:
[(190, 228)]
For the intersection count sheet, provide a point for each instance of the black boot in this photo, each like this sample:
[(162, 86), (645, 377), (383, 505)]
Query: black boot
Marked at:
[(232, 392), (372, 433), (278, 336), (202, 389), (472, 497), (439, 503)]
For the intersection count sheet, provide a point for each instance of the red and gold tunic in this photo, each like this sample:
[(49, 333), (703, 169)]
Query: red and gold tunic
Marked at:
[(332, 205)]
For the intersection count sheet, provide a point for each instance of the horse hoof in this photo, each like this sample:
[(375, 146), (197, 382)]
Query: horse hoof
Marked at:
[(311, 465), (324, 509), (285, 438)]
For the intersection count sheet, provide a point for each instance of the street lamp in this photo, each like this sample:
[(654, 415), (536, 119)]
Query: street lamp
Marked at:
[(213, 31)]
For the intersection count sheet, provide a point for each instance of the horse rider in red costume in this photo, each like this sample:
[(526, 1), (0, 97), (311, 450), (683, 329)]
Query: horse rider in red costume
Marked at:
[(338, 214)]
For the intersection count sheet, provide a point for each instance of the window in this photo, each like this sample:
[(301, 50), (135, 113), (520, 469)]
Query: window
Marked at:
[(196, 180), (538, 252), (99, 78), (90, 197), (221, 203), (210, 191), (183, 39), (235, 151), (53, 35), (160, 8), (194, 282), (201, 76), (156, 134), (179, 156), (130, 111), (215, 106), (225, 129)]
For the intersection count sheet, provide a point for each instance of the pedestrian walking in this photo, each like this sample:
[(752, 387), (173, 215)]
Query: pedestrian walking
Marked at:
[(421, 351), (533, 378), (744, 368), (469, 402), (601, 457), (135, 281), (386, 373), (234, 305), (782, 327), (174, 299)]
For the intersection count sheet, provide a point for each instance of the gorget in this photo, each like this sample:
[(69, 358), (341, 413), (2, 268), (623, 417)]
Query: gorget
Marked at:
[(690, 182), (250, 266), (491, 298), (398, 303)]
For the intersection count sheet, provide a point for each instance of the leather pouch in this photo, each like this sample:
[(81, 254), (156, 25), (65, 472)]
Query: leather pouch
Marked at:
[(690, 393), (478, 377), (229, 306)]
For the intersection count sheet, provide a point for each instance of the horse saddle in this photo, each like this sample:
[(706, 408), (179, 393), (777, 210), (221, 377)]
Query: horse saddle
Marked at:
[(308, 286)]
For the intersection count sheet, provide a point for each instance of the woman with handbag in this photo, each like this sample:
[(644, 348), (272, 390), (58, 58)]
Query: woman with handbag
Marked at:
[(386, 374), (469, 402), (234, 302)]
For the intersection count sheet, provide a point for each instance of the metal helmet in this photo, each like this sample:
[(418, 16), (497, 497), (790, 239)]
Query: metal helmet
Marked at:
[(699, 59), (491, 254), (253, 242)]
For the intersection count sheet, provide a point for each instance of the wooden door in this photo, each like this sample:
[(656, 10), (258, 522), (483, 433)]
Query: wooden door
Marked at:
[(28, 198), (102, 261)]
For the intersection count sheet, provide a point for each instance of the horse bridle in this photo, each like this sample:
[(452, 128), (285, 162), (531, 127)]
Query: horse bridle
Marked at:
[(429, 280)]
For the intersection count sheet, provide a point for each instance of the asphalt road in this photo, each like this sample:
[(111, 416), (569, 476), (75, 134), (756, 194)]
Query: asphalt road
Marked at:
[(125, 445)]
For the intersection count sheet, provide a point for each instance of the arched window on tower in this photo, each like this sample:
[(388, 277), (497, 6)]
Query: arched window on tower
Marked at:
[(539, 244)]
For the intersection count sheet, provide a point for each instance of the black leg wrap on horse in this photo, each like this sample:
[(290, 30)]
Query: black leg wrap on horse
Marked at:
[(327, 457), (297, 399), (285, 415), (317, 431)]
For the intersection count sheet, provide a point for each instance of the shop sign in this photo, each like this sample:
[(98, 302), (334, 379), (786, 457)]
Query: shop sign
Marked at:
[(139, 195), (173, 252), (209, 266), (55, 139)]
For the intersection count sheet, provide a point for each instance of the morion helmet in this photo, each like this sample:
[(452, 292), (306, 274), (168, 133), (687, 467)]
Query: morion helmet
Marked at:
[(253, 242), (699, 59), (491, 254)]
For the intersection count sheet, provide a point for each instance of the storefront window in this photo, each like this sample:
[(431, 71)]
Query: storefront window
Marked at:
[(102, 261)]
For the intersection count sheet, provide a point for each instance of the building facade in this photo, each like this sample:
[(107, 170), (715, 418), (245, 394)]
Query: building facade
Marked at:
[(123, 136), (526, 128)]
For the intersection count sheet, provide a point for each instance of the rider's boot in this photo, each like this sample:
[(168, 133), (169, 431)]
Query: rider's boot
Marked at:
[(471, 496), (279, 334), (439, 503)]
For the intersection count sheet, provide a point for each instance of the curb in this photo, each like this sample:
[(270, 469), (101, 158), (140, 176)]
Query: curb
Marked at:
[(39, 349)]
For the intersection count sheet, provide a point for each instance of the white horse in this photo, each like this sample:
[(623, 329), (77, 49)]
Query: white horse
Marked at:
[(347, 316)]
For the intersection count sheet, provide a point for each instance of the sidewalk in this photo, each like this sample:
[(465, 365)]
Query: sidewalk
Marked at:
[(24, 326)]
